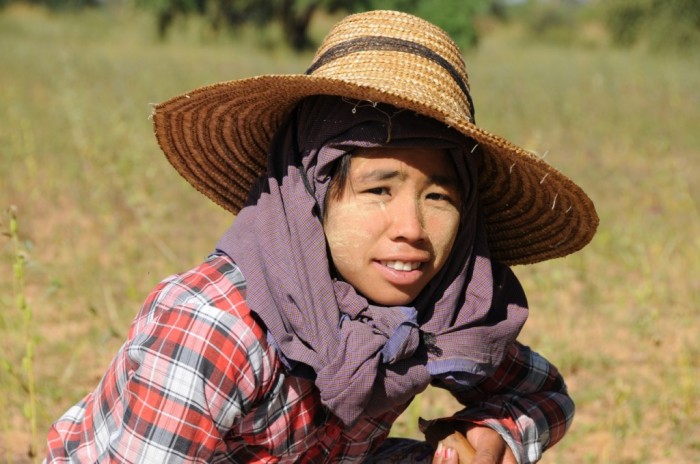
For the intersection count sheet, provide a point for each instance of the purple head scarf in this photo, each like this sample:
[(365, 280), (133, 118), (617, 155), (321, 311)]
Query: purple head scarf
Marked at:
[(366, 358)]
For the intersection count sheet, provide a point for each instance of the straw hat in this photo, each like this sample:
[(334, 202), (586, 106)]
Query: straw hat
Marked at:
[(217, 136)]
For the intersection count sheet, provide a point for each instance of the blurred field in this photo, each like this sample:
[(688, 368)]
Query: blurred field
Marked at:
[(103, 217)]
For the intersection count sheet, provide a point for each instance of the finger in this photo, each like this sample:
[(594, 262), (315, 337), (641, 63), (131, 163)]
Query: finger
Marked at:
[(461, 446), (445, 455)]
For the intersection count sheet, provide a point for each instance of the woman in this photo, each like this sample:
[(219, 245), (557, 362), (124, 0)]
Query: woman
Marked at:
[(368, 259)]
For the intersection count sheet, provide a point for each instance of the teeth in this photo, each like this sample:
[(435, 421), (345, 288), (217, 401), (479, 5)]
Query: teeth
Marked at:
[(402, 265)]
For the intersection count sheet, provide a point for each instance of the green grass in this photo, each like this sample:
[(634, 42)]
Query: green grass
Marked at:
[(103, 216), (24, 376)]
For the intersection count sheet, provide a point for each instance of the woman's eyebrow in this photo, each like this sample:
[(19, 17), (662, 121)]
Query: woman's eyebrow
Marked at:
[(385, 174), (378, 174)]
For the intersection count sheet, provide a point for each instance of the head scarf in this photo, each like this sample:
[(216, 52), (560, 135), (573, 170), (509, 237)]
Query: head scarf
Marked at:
[(366, 358)]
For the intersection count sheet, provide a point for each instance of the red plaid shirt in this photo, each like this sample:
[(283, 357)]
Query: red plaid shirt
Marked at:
[(196, 381)]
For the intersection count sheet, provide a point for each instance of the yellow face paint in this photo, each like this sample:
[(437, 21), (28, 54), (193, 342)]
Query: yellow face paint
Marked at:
[(393, 227)]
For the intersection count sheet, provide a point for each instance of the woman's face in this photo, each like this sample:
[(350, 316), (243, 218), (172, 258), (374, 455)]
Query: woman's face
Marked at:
[(392, 227)]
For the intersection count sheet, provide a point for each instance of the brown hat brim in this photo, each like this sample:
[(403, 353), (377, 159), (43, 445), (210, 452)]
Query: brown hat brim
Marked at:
[(217, 138)]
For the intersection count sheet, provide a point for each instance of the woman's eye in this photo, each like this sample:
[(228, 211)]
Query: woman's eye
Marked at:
[(439, 196), (378, 191)]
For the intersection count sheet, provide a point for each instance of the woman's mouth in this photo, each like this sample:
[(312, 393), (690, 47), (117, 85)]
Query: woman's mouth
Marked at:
[(402, 265)]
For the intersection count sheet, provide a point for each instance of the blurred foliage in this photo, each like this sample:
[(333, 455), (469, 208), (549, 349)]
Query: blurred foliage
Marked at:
[(294, 15), (58, 5), (654, 24), (659, 24), (455, 16), (552, 21)]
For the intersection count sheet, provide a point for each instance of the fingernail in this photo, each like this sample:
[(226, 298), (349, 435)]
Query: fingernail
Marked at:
[(439, 448), (448, 453)]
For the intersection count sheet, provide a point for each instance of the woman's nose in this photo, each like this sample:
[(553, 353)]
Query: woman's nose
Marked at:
[(406, 220)]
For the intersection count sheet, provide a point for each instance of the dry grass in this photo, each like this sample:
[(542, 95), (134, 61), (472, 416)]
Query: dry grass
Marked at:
[(103, 217)]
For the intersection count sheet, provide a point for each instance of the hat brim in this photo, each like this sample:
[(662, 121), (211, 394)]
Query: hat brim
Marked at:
[(217, 138)]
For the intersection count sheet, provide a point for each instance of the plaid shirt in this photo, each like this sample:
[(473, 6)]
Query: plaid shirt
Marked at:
[(197, 381)]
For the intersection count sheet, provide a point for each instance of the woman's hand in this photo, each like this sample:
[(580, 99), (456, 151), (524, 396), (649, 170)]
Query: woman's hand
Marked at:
[(445, 455), (488, 448)]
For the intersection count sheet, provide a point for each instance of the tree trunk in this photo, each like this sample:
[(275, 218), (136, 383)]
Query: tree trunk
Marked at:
[(296, 26)]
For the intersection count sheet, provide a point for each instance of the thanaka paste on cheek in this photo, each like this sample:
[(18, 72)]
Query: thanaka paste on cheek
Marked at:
[(348, 220)]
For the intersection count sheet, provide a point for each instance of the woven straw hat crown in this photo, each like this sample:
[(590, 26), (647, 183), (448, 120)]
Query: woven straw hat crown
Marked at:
[(217, 136)]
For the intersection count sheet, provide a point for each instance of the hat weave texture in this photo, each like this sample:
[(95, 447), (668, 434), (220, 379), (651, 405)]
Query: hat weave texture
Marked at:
[(217, 136)]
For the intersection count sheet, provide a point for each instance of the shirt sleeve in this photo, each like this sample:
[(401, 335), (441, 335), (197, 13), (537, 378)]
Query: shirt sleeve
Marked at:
[(525, 400), (186, 375), (195, 375)]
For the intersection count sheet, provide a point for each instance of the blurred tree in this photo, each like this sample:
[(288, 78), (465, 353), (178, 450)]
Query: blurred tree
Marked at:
[(455, 16), (294, 15), (552, 21), (662, 24), (58, 5)]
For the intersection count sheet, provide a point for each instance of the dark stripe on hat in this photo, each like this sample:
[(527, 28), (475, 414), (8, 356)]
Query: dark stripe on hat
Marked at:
[(391, 44)]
